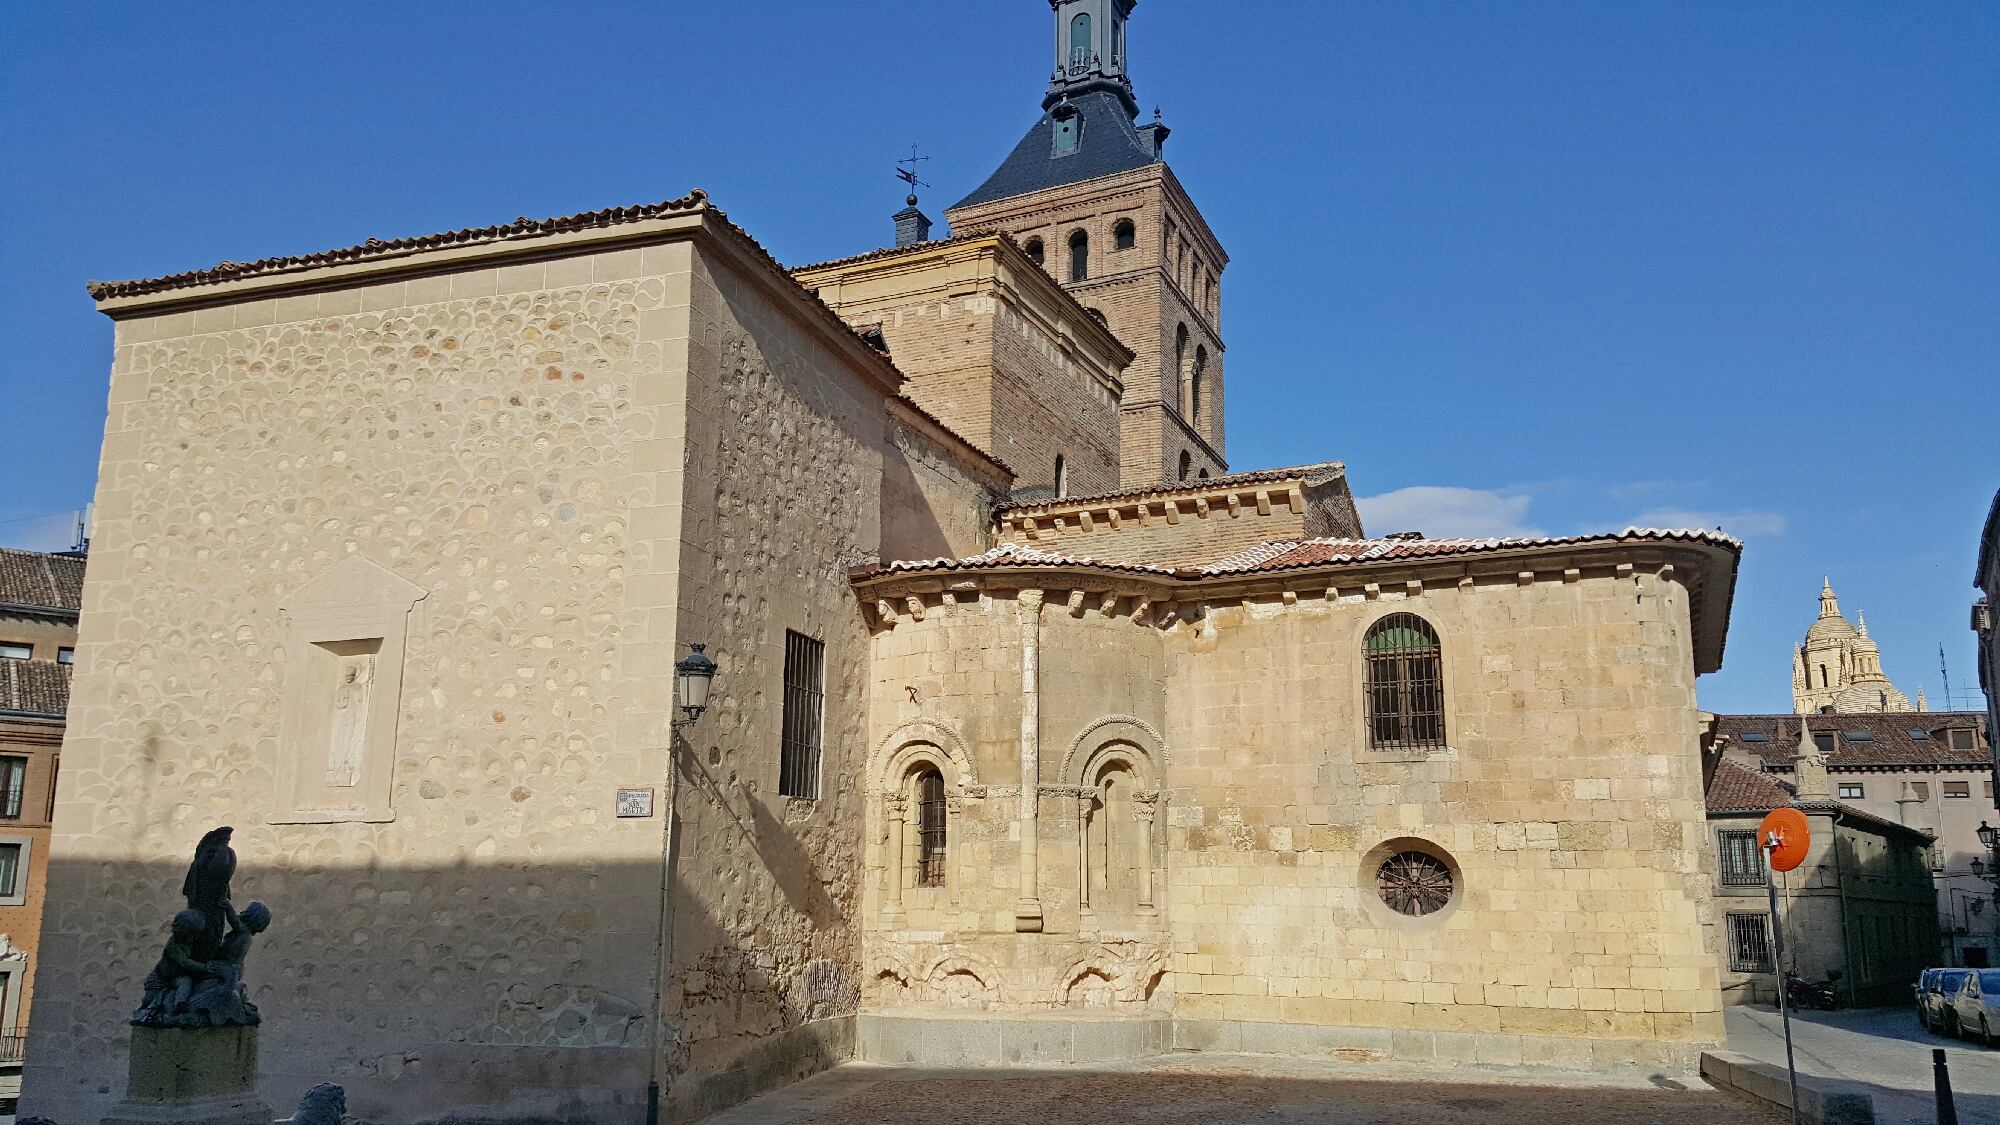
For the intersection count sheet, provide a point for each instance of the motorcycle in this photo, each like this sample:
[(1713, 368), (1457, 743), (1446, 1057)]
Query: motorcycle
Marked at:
[(1801, 993)]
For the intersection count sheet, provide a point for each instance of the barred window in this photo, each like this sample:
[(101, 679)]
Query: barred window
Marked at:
[(1742, 862), (805, 709), (1405, 684), (1749, 944), (931, 828)]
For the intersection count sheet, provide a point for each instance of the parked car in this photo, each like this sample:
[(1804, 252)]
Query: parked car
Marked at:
[(1975, 1008), (1935, 990)]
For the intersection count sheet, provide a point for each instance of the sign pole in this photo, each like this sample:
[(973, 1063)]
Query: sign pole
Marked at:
[(1778, 937)]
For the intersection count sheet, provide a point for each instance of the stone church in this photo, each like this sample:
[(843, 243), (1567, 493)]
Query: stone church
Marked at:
[(1040, 735)]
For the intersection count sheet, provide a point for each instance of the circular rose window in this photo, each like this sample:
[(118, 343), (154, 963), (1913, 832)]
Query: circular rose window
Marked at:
[(1414, 883)]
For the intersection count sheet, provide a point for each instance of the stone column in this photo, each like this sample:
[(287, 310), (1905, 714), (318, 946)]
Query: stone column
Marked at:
[(1083, 799), (1028, 908), (1143, 806), (896, 807)]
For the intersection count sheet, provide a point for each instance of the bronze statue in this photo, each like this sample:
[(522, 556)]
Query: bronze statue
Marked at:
[(198, 981)]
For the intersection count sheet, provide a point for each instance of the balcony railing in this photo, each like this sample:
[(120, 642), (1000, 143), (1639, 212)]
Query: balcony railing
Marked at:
[(13, 1046)]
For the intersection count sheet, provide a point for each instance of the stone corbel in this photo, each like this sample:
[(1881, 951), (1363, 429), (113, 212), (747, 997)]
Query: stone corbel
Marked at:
[(915, 604), (1075, 603)]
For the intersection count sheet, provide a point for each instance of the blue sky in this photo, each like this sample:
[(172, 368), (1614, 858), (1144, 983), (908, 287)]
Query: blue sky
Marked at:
[(1524, 267)]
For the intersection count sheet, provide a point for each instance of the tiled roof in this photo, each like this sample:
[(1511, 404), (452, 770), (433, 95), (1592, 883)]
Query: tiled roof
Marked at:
[(891, 252), (1110, 144), (1312, 474), (39, 580), (1737, 789), (1010, 555), (374, 248), (1891, 743), (34, 687), (1294, 554), (1289, 555)]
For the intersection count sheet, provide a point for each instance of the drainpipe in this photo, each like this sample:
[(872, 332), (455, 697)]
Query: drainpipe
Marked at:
[(1028, 908)]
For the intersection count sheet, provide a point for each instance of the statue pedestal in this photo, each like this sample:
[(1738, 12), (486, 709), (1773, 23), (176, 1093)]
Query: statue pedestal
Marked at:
[(178, 1076)]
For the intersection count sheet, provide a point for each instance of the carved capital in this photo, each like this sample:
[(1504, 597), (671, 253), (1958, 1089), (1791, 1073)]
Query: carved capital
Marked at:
[(1029, 602)]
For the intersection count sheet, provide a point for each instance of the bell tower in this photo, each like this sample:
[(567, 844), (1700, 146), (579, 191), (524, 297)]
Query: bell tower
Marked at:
[(1088, 194), (1090, 51)]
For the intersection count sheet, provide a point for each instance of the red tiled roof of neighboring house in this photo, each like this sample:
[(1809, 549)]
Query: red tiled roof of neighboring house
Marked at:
[(39, 580), (1739, 789), (1011, 555), (1889, 742), (34, 687), (1312, 474), (1293, 554)]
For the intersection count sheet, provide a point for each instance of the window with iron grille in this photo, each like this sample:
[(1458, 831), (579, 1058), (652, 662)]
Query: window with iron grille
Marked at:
[(1405, 684), (1749, 944), (931, 828), (13, 786), (805, 710), (1742, 862)]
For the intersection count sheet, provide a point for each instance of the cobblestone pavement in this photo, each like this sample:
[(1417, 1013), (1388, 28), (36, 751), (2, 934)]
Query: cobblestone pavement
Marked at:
[(1178, 1090), (1880, 1051)]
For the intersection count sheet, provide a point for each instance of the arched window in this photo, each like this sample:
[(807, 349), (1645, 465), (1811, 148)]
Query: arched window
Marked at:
[(1405, 684), (1202, 475), (1170, 391), (1034, 249), (1098, 316), (1079, 40), (1068, 130), (1116, 847), (1187, 464), (1079, 256), (1117, 40), (1195, 390), (1124, 236), (1062, 477), (931, 829)]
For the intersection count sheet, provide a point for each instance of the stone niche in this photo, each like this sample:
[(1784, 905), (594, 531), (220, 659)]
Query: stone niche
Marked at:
[(346, 633)]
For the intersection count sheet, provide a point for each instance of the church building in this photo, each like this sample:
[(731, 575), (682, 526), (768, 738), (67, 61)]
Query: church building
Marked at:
[(1838, 668), (1040, 733)]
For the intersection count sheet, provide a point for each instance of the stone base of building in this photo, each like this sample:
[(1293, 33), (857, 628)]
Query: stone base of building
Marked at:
[(205, 1075), (774, 1062), (962, 1039), (913, 1037)]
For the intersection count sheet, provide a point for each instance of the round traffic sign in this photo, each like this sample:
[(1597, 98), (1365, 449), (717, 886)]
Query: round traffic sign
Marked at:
[(1787, 827)]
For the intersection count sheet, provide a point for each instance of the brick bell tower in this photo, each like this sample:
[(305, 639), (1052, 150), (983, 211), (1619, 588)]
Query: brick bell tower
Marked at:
[(1087, 192)]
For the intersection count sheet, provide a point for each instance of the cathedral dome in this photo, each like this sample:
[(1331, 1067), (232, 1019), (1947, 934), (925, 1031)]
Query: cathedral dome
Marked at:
[(1831, 626)]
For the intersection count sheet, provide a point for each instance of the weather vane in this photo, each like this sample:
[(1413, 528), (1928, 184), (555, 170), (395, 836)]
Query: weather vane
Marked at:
[(909, 175)]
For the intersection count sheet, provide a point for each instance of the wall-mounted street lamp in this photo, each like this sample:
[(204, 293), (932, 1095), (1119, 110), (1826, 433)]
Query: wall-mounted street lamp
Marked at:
[(693, 674)]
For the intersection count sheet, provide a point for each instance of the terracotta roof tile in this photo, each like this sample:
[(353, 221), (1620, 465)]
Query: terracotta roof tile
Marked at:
[(890, 252), (40, 580), (1289, 555), (374, 248), (34, 687), (1294, 554), (1890, 743), (1312, 474), (1738, 789)]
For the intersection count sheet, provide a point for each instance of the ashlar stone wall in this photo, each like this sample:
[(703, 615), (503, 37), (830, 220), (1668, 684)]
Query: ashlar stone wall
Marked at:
[(1568, 808)]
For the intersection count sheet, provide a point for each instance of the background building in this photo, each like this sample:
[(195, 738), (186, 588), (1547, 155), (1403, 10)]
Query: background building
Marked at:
[(1929, 771), (39, 597), (1863, 903)]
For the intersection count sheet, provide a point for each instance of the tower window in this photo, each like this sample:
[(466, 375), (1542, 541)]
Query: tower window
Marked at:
[(1124, 236), (1034, 249), (1187, 464), (1195, 390), (1405, 684), (1117, 41), (1079, 256), (1062, 477), (1068, 131), (1079, 43)]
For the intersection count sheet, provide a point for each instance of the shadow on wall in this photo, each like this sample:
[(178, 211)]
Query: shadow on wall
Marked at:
[(475, 991)]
